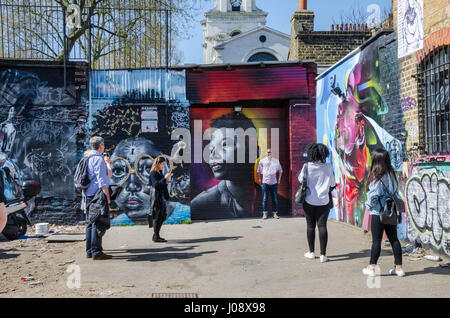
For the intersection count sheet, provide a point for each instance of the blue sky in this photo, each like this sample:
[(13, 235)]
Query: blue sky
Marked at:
[(279, 15)]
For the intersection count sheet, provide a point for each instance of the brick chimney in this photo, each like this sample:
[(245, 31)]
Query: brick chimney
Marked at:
[(302, 20)]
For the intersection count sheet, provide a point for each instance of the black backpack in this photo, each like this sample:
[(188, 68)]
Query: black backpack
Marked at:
[(81, 176), (389, 214)]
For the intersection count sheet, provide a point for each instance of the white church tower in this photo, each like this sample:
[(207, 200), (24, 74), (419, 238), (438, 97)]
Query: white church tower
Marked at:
[(235, 32)]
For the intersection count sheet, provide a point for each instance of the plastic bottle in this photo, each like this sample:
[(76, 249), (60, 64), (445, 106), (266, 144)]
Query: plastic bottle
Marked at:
[(433, 258)]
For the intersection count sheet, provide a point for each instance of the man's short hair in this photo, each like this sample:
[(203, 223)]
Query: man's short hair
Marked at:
[(95, 142)]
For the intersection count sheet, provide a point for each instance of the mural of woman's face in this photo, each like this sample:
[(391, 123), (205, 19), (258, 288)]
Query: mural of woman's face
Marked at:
[(131, 163), (351, 137), (222, 150)]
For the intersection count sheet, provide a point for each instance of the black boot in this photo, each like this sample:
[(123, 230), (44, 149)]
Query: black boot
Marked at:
[(158, 239)]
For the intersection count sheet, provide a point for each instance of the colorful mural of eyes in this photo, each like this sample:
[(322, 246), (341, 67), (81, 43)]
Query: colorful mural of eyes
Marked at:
[(118, 121)]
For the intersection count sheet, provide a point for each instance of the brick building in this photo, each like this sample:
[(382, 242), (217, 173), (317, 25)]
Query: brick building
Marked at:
[(275, 99), (323, 47)]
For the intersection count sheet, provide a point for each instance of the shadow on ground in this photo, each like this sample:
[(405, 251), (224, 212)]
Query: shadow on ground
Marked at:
[(356, 255), (156, 254), (349, 256), (206, 239), (428, 270), (3, 254)]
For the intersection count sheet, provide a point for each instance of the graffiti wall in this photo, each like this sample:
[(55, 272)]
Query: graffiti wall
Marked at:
[(427, 194), (223, 187), (358, 110), (38, 135), (354, 105), (136, 113)]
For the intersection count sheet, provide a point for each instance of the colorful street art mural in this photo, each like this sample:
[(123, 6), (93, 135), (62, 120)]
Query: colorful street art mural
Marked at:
[(223, 188), (136, 112), (38, 132), (274, 99), (358, 112), (351, 107)]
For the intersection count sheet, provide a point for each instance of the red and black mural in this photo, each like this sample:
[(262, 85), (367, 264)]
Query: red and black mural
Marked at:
[(256, 101)]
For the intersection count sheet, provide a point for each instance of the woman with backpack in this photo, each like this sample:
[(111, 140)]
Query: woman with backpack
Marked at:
[(320, 181), (382, 184)]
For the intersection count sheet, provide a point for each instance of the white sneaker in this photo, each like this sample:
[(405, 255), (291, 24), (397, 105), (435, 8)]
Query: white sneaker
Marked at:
[(400, 272), (369, 272), (310, 255), (323, 259)]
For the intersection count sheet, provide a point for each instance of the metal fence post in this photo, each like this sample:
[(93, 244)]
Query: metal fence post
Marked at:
[(65, 47), (167, 40)]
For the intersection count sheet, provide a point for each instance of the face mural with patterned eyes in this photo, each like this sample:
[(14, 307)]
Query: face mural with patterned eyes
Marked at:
[(131, 163)]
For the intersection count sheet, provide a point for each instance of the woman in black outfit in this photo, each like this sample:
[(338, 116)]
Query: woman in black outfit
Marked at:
[(159, 213)]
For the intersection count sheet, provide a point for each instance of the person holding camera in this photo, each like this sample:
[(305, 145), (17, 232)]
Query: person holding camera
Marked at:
[(159, 182), (99, 172)]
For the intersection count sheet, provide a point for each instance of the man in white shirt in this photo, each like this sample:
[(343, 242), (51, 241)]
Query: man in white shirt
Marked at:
[(268, 169)]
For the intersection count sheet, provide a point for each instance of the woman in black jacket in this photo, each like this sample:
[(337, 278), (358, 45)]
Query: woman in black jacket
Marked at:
[(159, 213)]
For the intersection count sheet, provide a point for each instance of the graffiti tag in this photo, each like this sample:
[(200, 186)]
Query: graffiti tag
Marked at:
[(429, 206), (408, 103), (434, 159)]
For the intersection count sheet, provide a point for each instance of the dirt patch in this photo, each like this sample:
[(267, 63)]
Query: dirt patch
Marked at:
[(46, 263)]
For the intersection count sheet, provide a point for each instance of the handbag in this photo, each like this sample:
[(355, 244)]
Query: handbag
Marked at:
[(300, 196), (330, 204), (389, 213), (150, 190)]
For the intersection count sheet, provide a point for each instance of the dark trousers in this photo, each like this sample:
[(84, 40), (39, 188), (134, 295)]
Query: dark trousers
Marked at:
[(273, 190), (157, 224), (160, 215), (93, 240), (316, 215), (377, 229)]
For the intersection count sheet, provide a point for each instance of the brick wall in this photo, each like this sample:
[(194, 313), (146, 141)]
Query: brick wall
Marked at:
[(423, 173), (323, 47), (436, 17), (302, 132)]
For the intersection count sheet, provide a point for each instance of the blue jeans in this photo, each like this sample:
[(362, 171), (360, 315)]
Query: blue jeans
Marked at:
[(93, 240), (273, 190)]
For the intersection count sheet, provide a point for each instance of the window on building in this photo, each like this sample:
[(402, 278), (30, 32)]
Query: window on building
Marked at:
[(262, 57), (434, 112), (236, 8)]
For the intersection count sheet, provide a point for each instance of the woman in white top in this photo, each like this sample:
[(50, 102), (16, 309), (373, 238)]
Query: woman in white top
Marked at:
[(320, 181)]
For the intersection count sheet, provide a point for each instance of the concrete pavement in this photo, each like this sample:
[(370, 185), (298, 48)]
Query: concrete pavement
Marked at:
[(249, 258)]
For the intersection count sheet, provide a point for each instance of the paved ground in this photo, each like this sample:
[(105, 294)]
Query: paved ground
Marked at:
[(243, 258)]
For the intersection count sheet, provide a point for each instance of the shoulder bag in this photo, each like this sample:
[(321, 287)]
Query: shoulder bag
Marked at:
[(300, 196)]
